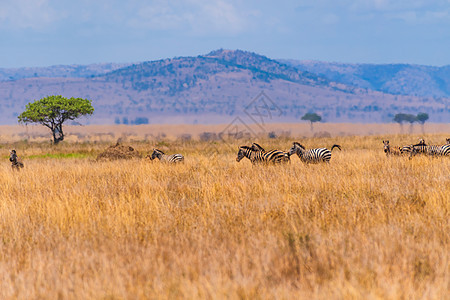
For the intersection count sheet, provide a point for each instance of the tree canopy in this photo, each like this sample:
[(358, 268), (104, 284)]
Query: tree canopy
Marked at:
[(53, 111), (400, 118), (422, 118), (312, 117)]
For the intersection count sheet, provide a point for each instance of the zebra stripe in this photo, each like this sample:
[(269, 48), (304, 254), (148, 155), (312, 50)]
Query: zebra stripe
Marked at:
[(313, 155), (16, 162), (434, 150), (256, 154), (174, 158)]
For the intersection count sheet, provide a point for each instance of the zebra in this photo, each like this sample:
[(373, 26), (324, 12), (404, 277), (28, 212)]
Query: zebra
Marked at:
[(433, 150), (174, 158), (257, 154), (16, 162), (448, 141), (396, 150), (313, 155), (393, 150)]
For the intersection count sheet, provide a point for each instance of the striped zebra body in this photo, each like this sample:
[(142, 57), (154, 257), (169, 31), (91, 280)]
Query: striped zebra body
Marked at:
[(173, 158), (256, 155), (16, 163), (432, 150), (313, 155)]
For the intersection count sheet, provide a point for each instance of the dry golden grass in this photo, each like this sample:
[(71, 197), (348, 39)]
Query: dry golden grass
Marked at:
[(364, 226)]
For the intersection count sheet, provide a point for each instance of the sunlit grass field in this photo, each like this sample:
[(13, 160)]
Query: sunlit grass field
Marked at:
[(362, 227)]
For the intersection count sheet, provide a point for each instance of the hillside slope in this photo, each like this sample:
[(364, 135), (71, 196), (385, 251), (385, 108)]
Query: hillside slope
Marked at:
[(215, 88), (402, 79)]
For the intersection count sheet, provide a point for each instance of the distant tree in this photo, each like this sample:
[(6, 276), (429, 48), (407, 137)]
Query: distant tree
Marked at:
[(53, 111), (401, 118), (141, 120), (117, 120), (312, 118), (125, 120), (422, 118)]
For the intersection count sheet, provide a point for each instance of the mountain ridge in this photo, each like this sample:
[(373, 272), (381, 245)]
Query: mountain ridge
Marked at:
[(215, 87)]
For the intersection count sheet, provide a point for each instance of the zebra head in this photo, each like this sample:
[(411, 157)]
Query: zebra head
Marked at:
[(296, 148), (13, 156), (421, 142), (156, 154), (387, 148), (244, 151)]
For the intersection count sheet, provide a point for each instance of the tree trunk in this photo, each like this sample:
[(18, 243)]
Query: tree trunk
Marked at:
[(58, 135)]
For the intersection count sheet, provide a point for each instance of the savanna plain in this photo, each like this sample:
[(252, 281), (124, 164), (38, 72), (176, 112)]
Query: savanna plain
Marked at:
[(364, 226)]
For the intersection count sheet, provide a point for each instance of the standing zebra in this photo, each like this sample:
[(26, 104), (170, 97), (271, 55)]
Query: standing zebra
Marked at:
[(257, 154), (396, 150), (433, 150), (16, 162), (174, 158), (313, 155)]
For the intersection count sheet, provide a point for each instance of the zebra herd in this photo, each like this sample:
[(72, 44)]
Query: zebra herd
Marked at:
[(257, 154), (419, 148)]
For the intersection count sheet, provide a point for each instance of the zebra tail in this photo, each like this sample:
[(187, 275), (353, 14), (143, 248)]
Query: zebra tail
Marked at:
[(337, 146)]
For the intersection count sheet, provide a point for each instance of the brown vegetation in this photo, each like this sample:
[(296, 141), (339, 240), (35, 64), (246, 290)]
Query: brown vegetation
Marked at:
[(363, 226), (118, 151)]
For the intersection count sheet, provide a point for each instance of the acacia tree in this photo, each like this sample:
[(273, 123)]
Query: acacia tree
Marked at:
[(400, 118), (312, 118), (53, 111), (422, 118)]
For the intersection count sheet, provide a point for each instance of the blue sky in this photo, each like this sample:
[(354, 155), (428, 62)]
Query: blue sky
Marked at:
[(52, 32)]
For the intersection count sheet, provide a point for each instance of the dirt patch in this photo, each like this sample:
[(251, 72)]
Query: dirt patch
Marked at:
[(119, 151)]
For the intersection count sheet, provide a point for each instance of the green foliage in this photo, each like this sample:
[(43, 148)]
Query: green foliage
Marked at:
[(422, 117), (53, 111), (400, 118), (312, 117)]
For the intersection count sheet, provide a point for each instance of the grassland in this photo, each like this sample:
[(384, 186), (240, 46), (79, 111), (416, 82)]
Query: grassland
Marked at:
[(363, 227)]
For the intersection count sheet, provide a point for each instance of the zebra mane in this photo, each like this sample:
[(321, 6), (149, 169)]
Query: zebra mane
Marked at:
[(257, 147), (299, 145), (157, 150), (246, 147)]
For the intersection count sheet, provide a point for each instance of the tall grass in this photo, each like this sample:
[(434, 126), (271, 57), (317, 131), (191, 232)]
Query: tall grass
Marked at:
[(364, 226)]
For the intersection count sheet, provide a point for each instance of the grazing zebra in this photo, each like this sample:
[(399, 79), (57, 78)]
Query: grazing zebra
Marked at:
[(433, 150), (257, 154), (16, 163), (313, 155), (174, 158)]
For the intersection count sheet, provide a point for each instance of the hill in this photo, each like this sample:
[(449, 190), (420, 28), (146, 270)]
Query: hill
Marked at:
[(399, 79), (214, 88)]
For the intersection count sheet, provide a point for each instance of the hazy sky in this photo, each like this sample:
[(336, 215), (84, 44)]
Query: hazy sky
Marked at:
[(51, 32)]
